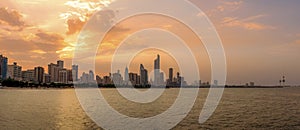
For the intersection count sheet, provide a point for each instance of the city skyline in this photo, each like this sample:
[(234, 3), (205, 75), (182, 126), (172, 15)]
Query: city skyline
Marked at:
[(261, 42), (64, 75)]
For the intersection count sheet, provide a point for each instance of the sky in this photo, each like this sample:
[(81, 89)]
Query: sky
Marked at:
[(261, 39)]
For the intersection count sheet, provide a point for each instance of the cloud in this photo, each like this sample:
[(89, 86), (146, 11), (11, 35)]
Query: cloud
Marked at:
[(80, 12), (11, 18), (74, 25), (39, 51), (48, 37), (231, 6), (246, 23), (225, 6)]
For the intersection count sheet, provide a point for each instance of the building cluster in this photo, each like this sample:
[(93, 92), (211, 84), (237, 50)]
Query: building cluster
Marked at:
[(142, 79), (56, 73)]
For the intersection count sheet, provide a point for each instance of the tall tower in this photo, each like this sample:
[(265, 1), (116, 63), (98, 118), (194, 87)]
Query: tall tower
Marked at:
[(143, 75), (75, 72), (126, 75), (170, 74), (157, 71), (60, 64), (39, 74), (3, 67)]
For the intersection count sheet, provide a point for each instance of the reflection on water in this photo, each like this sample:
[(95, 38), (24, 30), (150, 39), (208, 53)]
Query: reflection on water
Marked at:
[(239, 108)]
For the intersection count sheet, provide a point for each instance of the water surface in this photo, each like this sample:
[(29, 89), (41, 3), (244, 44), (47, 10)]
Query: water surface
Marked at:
[(272, 108)]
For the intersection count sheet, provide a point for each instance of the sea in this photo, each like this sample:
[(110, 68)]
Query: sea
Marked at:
[(239, 108)]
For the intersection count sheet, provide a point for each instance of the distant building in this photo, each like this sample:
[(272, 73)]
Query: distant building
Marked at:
[(75, 72), (88, 77), (15, 71), (91, 76), (117, 78), (28, 76), (157, 79), (216, 83), (3, 67), (63, 76), (133, 78), (60, 64), (144, 75), (70, 76), (126, 75), (170, 74), (47, 78), (39, 74), (53, 70), (84, 78), (162, 78)]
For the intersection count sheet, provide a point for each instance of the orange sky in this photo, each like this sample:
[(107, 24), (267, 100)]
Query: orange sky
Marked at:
[(260, 38)]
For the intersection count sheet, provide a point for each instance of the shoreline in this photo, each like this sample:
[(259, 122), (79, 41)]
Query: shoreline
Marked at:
[(52, 88)]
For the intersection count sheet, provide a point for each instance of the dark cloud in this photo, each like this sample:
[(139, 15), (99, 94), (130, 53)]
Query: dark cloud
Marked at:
[(39, 49), (49, 37), (11, 17), (74, 25)]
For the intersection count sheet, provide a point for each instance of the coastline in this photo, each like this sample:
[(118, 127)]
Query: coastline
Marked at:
[(62, 88)]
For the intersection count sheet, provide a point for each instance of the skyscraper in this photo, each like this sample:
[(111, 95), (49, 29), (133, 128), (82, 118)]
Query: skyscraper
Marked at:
[(28, 75), (157, 71), (53, 71), (39, 74), (170, 74), (75, 72), (60, 64), (3, 67), (91, 76), (161, 78), (63, 76), (126, 75), (15, 71), (117, 78), (144, 75), (133, 78)]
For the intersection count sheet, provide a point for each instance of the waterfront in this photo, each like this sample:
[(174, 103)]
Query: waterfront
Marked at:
[(248, 108)]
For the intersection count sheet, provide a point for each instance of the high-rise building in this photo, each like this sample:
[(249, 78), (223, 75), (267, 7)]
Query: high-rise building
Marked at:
[(53, 70), (91, 76), (69, 76), (162, 78), (133, 78), (15, 71), (3, 67), (144, 75), (47, 78), (39, 74), (28, 76), (126, 75), (157, 71), (84, 78), (170, 74), (75, 72), (60, 64), (117, 78), (63, 76)]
